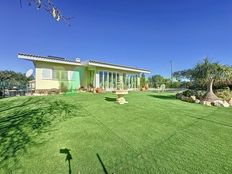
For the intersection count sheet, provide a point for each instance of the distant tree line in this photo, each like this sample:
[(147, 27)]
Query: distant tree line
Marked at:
[(157, 80), (12, 79)]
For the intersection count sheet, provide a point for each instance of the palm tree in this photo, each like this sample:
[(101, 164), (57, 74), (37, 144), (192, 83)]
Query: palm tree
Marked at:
[(207, 72)]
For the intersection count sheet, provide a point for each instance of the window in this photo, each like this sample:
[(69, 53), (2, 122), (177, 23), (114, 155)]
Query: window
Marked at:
[(106, 82), (110, 80), (136, 81), (71, 75), (114, 80), (47, 74), (55, 75), (124, 80), (118, 78), (63, 75), (101, 76)]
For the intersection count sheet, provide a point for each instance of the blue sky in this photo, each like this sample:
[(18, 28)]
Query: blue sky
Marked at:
[(140, 33)]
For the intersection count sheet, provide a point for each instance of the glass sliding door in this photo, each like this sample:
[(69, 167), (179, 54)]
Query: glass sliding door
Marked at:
[(136, 81), (114, 80), (101, 79), (124, 81), (119, 85), (110, 80), (106, 80), (130, 81)]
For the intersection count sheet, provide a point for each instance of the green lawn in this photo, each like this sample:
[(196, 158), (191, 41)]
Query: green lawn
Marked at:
[(153, 133)]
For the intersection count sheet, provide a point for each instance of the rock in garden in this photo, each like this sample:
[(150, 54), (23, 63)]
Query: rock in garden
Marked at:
[(183, 98), (192, 99), (225, 104), (197, 101), (207, 103), (220, 103), (230, 102), (179, 95)]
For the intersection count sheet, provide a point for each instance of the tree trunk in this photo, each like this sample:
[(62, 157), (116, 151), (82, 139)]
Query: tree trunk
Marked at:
[(210, 96)]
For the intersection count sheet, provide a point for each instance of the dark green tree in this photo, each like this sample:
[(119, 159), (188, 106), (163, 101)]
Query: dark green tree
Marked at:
[(156, 80), (8, 79)]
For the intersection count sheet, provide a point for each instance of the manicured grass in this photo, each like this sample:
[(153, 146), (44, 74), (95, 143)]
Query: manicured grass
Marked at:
[(153, 133)]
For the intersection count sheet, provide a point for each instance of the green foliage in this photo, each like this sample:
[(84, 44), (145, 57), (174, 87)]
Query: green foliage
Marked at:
[(53, 91), (223, 84), (156, 81), (204, 71), (176, 84), (10, 79), (63, 87), (183, 74), (225, 94), (197, 93)]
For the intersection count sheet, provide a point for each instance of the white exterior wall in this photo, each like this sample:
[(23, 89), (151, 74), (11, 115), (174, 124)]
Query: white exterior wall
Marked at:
[(41, 83)]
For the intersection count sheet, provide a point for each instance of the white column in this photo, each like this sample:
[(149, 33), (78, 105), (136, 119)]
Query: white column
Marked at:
[(116, 78), (97, 79), (103, 79)]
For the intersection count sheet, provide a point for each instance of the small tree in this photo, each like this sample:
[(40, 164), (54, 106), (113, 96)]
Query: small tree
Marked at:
[(63, 87), (156, 80), (207, 73)]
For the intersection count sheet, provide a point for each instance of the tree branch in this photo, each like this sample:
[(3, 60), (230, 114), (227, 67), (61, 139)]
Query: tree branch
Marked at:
[(49, 7)]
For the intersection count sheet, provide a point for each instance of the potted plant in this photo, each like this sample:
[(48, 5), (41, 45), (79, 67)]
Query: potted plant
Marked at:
[(99, 90)]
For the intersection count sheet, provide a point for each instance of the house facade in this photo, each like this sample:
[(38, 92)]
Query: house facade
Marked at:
[(56, 73)]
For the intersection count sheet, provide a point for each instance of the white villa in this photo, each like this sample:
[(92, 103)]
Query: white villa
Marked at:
[(52, 72)]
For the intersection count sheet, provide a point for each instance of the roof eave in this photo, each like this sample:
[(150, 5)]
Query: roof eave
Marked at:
[(34, 58), (118, 67)]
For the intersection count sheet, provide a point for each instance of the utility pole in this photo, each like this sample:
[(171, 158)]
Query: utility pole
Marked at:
[(171, 71)]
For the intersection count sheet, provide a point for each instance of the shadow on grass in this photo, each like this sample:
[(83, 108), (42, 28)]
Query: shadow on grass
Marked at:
[(211, 121), (22, 122), (4, 107), (68, 158), (102, 164), (109, 99), (164, 97)]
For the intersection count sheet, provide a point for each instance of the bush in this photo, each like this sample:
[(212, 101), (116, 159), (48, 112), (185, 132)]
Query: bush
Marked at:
[(224, 93), (63, 87), (42, 91), (99, 90), (189, 93), (198, 93), (175, 85), (82, 88), (53, 91)]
